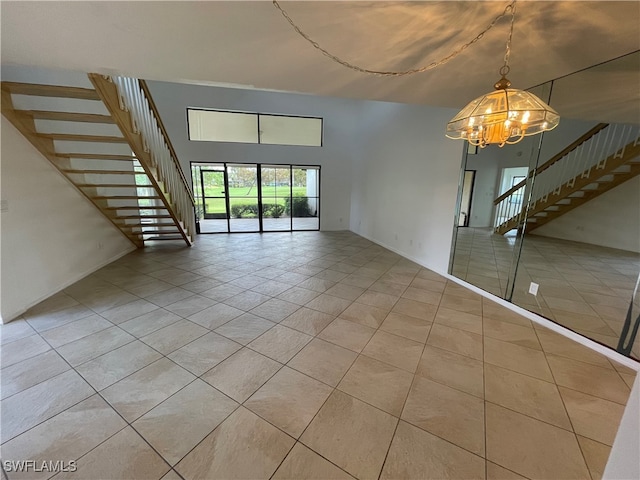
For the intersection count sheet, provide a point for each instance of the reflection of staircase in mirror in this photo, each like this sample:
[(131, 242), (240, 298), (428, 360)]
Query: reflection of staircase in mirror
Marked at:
[(603, 158), (104, 135)]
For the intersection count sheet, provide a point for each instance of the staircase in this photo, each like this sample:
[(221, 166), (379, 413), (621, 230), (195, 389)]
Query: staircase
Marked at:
[(105, 136), (603, 158)]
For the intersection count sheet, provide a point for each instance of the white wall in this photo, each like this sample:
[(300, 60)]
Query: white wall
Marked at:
[(405, 181), (341, 122), (624, 459), (610, 220), (50, 233)]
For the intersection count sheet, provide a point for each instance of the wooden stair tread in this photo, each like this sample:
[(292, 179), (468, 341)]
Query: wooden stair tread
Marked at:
[(136, 207), (71, 137), (110, 185), (134, 217), (67, 116), (58, 91), (101, 172), (96, 156), (126, 197)]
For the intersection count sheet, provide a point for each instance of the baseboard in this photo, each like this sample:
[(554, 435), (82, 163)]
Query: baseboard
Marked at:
[(74, 279), (565, 332)]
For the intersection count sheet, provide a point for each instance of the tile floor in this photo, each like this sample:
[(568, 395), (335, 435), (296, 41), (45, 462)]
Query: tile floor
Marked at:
[(586, 288), (308, 355)]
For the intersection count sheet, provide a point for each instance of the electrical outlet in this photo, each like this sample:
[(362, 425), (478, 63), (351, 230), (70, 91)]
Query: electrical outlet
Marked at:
[(533, 288)]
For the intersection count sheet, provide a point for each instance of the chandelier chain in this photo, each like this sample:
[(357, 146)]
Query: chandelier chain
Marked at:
[(505, 68), (509, 10)]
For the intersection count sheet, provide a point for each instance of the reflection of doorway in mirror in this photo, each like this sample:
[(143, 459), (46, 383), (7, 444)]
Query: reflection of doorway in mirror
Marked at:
[(467, 194), (511, 177)]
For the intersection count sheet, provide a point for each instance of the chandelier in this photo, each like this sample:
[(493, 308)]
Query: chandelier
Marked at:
[(504, 116)]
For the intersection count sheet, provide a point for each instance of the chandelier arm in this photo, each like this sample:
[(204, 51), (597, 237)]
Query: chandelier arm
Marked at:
[(509, 9)]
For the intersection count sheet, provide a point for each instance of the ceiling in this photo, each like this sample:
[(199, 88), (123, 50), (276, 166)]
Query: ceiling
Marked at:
[(251, 44)]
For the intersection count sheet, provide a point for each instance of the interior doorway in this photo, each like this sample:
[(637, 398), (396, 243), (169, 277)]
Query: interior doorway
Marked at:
[(467, 195)]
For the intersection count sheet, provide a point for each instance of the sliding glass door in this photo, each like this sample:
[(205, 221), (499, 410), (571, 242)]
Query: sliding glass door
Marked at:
[(232, 198)]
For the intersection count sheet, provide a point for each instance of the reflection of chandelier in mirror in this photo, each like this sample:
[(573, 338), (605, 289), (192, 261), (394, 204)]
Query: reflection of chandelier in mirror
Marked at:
[(504, 116)]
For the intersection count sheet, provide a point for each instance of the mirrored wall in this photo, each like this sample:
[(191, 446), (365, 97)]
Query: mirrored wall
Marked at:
[(552, 223)]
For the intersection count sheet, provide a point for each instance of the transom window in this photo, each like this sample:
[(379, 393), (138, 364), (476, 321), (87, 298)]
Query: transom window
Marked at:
[(243, 127)]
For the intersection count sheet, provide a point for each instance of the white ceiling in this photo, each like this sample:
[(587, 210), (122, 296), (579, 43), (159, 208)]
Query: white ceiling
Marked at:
[(250, 43)]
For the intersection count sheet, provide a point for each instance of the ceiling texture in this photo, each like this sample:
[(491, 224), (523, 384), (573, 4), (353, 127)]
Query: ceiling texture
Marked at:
[(250, 44)]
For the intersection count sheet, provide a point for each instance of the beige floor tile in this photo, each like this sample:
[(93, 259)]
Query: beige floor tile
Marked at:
[(591, 416), (406, 326), (424, 296), (596, 455), (378, 384), (431, 284), (362, 281), (366, 315), (378, 299), (240, 375), (415, 453), (394, 350), (551, 451), (519, 359), (289, 400), (628, 379), (179, 423), (190, 306), (564, 347), (298, 295), (456, 341), (149, 322), (15, 330), (176, 335), (222, 292), (389, 288), (67, 436), (448, 413), (530, 396), (215, 316), (245, 301), (346, 292), (204, 353), (44, 320), (171, 475), (317, 284), (271, 288), (496, 472), (462, 303), (461, 320), (413, 308), (585, 378), (94, 345), (328, 304), (304, 463), (26, 409), (308, 321), (30, 372), (347, 334), (111, 367), (22, 349), (69, 332), (323, 361), (122, 457), (243, 446), (577, 321), (275, 310), (170, 296), (138, 393), (280, 343), (508, 332), (344, 420), (245, 328), (128, 311), (448, 368)]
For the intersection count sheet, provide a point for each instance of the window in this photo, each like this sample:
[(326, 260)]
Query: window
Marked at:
[(238, 127)]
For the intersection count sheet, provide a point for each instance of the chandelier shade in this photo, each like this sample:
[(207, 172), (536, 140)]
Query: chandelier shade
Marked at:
[(504, 116)]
